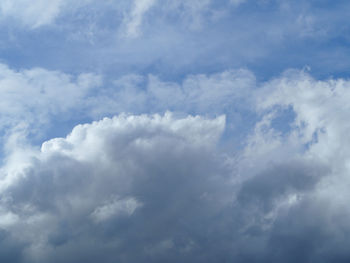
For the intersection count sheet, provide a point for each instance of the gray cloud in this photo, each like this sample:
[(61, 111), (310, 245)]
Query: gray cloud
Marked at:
[(129, 180)]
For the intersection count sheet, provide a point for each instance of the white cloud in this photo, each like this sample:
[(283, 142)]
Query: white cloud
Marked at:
[(134, 20), (53, 93), (114, 208), (37, 13), (30, 98), (32, 13), (8, 219), (321, 110), (215, 93)]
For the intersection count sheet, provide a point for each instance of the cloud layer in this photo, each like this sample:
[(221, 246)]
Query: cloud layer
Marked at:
[(169, 188), (175, 38), (174, 131)]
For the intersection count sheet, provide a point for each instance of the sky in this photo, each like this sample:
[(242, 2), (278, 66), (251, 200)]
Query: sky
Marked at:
[(174, 131)]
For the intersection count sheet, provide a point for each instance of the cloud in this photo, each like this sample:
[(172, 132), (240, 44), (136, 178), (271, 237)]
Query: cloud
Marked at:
[(199, 94), (173, 187), (320, 108), (31, 98), (114, 208), (37, 13), (32, 13), (131, 14), (184, 156), (59, 97), (119, 181), (134, 20), (308, 224), (191, 13), (174, 38)]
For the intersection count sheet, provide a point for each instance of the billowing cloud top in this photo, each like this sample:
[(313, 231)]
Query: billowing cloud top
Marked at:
[(174, 131), (123, 174)]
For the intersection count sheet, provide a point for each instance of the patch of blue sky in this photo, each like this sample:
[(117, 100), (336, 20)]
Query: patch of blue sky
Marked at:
[(283, 120)]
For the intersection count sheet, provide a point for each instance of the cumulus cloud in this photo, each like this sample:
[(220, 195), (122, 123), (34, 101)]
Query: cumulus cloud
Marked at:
[(320, 108), (316, 135), (184, 156), (121, 181), (170, 187)]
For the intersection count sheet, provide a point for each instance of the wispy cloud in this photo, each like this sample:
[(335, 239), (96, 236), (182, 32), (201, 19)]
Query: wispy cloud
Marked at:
[(133, 20)]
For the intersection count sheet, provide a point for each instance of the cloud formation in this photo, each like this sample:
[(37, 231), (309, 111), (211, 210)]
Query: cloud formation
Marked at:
[(59, 97), (165, 188), (164, 131), (115, 182)]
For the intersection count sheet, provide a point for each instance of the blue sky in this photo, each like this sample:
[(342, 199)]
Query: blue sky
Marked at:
[(174, 40), (174, 131)]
